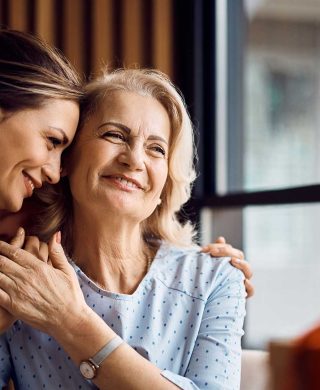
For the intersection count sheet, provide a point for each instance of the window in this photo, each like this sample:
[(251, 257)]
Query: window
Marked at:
[(281, 96), (267, 157)]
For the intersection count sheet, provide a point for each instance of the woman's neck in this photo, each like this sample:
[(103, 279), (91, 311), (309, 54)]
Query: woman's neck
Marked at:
[(113, 254)]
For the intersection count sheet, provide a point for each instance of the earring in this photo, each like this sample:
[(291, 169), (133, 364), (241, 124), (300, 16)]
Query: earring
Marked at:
[(159, 202)]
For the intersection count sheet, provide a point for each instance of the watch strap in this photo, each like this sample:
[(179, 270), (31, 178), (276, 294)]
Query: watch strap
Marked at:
[(105, 351)]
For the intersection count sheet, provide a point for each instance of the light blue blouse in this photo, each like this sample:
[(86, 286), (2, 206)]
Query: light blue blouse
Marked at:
[(186, 317)]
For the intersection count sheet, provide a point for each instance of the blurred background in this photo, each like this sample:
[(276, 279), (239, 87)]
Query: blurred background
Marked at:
[(250, 74), (93, 33)]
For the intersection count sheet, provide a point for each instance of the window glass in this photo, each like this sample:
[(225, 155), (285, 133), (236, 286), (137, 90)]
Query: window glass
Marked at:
[(281, 242), (281, 90)]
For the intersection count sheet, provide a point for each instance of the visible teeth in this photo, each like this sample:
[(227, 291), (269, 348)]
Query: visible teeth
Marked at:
[(127, 182), (30, 182)]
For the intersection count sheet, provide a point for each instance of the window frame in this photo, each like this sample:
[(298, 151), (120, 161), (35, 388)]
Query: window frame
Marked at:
[(229, 121), (214, 110)]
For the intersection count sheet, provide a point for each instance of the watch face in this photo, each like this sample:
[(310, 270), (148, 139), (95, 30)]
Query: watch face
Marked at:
[(87, 370)]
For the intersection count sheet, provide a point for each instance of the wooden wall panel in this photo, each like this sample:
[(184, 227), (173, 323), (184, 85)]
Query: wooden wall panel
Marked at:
[(162, 45), (45, 20), (18, 14), (93, 33), (132, 25), (102, 31), (3, 13), (74, 39)]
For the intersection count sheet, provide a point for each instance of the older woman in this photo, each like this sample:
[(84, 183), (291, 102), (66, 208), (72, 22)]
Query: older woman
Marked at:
[(145, 308)]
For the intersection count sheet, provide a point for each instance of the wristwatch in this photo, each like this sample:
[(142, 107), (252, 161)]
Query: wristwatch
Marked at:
[(89, 368)]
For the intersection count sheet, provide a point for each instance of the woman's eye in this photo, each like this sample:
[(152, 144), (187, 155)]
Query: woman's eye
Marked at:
[(159, 150), (114, 136), (54, 142)]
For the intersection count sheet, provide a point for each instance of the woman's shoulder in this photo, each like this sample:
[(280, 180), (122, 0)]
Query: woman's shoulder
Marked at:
[(193, 272), (191, 258)]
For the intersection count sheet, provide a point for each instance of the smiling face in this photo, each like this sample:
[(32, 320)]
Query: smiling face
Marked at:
[(120, 159), (32, 141)]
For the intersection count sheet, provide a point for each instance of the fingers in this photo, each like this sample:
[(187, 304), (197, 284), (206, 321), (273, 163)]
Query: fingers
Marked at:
[(18, 240), (8, 270), (220, 240), (56, 253), (44, 252), (5, 300), (249, 288), (223, 250), (29, 257), (243, 266), (36, 247), (19, 256)]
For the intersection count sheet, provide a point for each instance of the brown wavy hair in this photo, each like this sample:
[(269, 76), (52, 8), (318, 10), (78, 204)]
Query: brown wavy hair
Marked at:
[(32, 72)]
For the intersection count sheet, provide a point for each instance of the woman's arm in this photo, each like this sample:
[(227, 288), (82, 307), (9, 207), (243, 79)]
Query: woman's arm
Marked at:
[(216, 358), (49, 296), (7, 319), (220, 248), (32, 245)]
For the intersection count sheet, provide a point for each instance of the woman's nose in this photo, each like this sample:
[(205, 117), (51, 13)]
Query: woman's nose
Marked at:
[(133, 157), (51, 171)]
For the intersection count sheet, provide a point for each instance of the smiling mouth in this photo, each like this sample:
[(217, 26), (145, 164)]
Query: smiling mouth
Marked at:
[(126, 182), (29, 184)]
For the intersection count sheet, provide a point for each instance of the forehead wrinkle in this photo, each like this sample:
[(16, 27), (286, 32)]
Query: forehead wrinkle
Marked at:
[(142, 119), (130, 130), (151, 137), (117, 124)]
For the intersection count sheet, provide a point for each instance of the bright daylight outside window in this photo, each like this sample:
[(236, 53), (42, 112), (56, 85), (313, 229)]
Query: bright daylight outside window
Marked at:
[(280, 149), (282, 94)]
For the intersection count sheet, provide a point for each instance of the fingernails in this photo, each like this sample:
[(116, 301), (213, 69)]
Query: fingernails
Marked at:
[(235, 260), (20, 231), (58, 237)]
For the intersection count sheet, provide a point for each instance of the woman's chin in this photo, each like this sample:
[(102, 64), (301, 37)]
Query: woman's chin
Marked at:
[(10, 223), (13, 204)]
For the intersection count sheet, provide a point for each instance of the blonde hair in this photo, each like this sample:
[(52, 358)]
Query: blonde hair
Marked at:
[(164, 222)]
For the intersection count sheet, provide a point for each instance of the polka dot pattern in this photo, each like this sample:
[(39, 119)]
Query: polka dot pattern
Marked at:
[(186, 317)]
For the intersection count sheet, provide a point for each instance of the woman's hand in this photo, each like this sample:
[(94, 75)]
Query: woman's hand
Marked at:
[(38, 249), (7, 319), (42, 295), (220, 249)]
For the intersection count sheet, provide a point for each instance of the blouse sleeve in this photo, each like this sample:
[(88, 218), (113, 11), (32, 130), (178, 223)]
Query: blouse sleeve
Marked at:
[(5, 362), (216, 358)]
